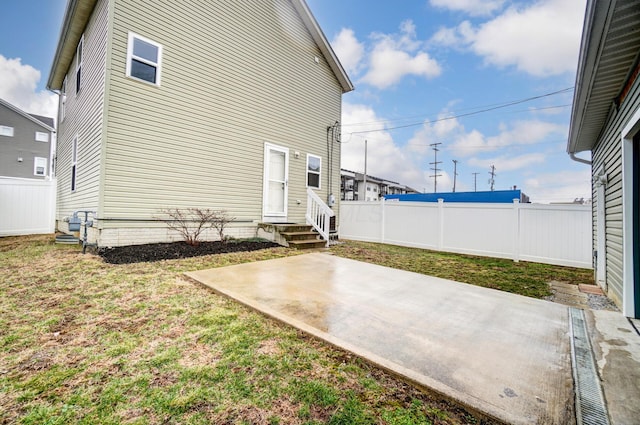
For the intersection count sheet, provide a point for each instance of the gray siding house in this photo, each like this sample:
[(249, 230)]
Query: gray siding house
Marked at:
[(25, 143), (606, 121), (221, 105)]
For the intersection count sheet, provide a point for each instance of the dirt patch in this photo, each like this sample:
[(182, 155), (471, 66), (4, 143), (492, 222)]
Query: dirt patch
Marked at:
[(171, 251), (269, 348)]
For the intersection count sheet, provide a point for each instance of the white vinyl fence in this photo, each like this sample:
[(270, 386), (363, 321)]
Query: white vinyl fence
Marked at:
[(27, 207), (551, 234)]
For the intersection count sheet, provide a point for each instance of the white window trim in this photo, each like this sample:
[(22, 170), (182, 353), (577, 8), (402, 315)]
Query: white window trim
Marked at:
[(79, 61), (37, 159), (74, 164), (313, 172), (63, 99), (266, 214), (131, 56), (632, 128), (41, 136), (6, 129)]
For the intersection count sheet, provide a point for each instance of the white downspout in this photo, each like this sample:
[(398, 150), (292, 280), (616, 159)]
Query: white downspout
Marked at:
[(580, 160)]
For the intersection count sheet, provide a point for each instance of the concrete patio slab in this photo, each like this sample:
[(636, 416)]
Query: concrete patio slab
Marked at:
[(616, 345), (504, 355)]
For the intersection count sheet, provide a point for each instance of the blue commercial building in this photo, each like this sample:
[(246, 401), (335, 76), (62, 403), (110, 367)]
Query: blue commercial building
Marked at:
[(495, 197)]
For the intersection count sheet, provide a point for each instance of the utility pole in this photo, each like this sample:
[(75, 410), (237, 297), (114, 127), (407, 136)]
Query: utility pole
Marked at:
[(364, 192), (435, 166), (455, 174), (475, 181), (492, 180)]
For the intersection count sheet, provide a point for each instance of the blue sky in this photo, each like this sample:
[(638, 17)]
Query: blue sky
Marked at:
[(419, 65)]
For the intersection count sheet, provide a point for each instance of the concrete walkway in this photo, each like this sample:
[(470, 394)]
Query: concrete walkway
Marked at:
[(504, 355)]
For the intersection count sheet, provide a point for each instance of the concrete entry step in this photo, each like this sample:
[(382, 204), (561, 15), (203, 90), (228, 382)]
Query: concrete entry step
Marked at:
[(67, 239), (299, 236), (308, 244), (295, 235), (292, 228)]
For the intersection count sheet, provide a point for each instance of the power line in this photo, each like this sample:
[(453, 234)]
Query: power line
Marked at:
[(509, 103), (496, 146), (499, 106)]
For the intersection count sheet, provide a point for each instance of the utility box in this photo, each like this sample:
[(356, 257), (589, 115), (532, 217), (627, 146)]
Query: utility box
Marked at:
[(74, 224)]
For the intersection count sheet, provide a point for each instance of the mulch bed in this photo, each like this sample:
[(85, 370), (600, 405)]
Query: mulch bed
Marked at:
[(171, 251)]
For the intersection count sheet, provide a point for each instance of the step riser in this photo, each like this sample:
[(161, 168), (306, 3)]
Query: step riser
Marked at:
[(316, 245), (301, 238), (293, 228)]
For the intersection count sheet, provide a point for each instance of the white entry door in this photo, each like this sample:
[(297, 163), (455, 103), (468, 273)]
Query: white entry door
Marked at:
[(276, 175)]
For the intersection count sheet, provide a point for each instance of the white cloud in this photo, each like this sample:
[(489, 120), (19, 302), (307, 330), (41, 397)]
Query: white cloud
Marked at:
[(542, 39), (18, 86), (385, 159), (463, 143), (458, 37), (519, 133), (349, 50), (395, 56), (506, 163), (471, 7), (435, 132), (562, 186)]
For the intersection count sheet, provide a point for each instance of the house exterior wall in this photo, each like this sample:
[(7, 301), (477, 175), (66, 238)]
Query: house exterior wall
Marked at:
[(83, 117), (233, 77), (22, 144), (607, 155)]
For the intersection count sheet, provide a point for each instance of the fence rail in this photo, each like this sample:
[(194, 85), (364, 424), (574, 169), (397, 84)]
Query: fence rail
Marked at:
[(551, 234), (27, 206)]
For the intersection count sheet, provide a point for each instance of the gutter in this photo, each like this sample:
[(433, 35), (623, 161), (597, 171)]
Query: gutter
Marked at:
[(573, 156)]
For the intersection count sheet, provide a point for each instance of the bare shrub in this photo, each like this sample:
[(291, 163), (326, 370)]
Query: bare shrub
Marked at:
[(191, 222), (220, 223)]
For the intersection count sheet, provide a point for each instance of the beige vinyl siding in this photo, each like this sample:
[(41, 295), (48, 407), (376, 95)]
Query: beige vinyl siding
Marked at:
[(608, 151), (83, 117), (235, 75)]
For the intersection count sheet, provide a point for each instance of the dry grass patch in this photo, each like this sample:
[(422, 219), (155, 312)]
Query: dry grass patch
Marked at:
[(82, 341)]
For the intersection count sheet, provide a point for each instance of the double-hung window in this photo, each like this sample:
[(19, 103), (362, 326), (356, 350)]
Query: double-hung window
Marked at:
[(144, 58), (314, 165), (42, 137), (74, 163), (39, 166), (79, 55), (6, 131)]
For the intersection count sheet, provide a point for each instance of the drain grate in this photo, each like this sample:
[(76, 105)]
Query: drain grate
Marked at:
[(590, 406)]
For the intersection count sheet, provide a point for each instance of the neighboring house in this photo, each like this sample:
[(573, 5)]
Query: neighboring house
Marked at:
[(353, 187), (489, 197), (606, 121), (25, 143), (222, 105)]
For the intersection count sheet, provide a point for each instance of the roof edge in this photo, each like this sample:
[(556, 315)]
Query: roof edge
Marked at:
[(322, 42), (27, 115), (597, 19), (75, 18), (77, 15)]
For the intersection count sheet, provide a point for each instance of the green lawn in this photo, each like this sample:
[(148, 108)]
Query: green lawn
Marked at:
[(524, 278), (82, 341)]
